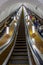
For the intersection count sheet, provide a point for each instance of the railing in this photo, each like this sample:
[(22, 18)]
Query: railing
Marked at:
[(35, 54), (2, 48)]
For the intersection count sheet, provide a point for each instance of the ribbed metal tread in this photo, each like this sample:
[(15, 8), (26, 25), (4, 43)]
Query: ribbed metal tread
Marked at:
[(19, 61), (19, 57), (20, 44), (18, 64), (20, 47), (20, 41), (20, 50), (19, 54)]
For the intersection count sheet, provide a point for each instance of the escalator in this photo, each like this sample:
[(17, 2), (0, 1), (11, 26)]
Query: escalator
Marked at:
[(20, 55)]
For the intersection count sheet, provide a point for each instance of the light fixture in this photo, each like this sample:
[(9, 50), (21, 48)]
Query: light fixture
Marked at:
[(15, 24), (28, 23), (33, 40), (28, 17), (34, 47), (7, 30), (33, 29), (17, 17), (17, 14), (14, 18)]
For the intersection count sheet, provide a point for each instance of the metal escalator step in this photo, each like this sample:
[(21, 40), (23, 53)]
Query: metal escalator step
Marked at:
[(20, 47), (19, 57), (19, 61), (19, 54), (18, 64), (17, 50), (21, 41), (21, 36)]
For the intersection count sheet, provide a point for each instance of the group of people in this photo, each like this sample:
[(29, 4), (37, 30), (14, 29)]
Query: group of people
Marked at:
[(38, 26)]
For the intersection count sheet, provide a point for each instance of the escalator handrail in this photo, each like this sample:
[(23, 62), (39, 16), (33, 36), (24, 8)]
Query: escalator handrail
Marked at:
[(36, 54), (2, 48)]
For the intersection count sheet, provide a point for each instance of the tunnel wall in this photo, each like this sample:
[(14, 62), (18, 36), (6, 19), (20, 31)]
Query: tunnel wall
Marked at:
[(9, 9), (37, 11)]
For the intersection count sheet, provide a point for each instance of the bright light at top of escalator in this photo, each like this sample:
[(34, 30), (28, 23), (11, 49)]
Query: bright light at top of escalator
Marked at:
[(33, 29)]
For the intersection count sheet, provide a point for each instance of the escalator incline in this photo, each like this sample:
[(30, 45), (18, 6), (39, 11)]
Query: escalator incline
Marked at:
[(19, 55)]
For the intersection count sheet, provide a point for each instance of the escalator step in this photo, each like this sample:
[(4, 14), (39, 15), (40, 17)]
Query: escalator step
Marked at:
[(20, 41), (19, 57), (23, 53), (19, 61), (17, 64), (20, 50), (21, 46)]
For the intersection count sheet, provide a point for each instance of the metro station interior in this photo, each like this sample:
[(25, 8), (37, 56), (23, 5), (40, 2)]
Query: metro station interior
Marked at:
[(21, 32)]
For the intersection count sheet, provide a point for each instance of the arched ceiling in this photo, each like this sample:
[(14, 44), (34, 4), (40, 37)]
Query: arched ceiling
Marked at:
[(8, 6)]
